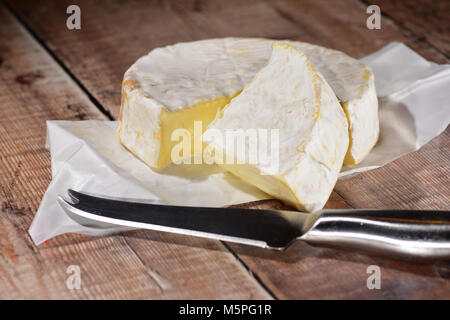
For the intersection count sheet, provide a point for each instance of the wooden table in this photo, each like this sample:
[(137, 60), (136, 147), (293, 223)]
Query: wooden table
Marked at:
[(50, 72)]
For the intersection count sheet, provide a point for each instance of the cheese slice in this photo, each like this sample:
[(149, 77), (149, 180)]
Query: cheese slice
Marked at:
[(288, 97), (171, 87)]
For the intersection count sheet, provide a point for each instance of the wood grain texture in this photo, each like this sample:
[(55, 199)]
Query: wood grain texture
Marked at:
[(305, 272), (424, 19), (342, 25), (33, 88), (418, 180), (115, 33)]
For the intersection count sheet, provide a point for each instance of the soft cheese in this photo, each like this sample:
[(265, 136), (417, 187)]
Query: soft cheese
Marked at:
[(290, 96), (171, 87)]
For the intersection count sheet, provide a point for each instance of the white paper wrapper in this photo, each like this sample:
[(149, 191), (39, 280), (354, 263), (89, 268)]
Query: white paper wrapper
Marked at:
[(87, 156)]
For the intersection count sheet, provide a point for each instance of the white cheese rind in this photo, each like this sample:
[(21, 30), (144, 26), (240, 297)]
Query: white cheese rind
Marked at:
[(139, 123), (290, 96), (364, 127), (179, 76)]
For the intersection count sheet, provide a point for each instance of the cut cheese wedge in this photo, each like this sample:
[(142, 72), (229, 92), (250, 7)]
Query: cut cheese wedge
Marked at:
[(171, 87), (288, 97)]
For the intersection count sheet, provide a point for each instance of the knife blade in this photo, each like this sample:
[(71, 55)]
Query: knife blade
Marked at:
[(398, 233)]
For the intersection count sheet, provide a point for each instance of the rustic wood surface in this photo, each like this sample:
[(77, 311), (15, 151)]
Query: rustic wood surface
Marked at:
[(50, 72), (140, 265), (428, 23)]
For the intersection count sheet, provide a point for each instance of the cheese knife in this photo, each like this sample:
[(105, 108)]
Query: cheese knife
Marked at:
[(413, 234)]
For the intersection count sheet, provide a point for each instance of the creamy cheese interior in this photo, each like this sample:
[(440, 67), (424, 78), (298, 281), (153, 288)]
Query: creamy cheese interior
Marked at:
[(203, 111)]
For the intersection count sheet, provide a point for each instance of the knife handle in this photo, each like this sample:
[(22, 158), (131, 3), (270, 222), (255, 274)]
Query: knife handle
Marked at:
[(415, 234)]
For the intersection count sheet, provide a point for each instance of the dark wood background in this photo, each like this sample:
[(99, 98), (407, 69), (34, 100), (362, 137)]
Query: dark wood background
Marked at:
[(50, 72)]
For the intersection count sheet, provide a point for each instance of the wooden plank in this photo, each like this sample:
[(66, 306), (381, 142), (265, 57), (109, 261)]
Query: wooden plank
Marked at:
[(418, 180), (305, 272), (342, 26), (427, 20), (301, 271), (116, 33), (34, 88)]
